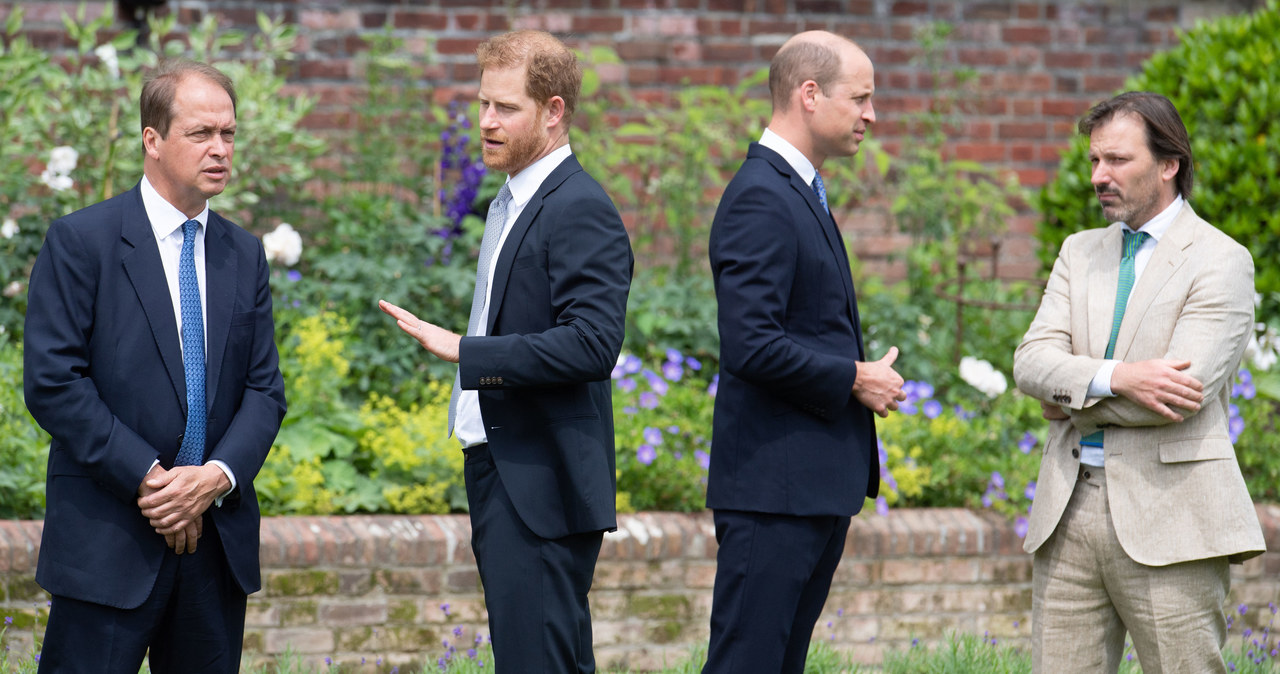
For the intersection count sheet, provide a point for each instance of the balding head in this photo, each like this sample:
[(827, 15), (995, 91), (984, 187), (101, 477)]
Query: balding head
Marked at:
[(813, 55)]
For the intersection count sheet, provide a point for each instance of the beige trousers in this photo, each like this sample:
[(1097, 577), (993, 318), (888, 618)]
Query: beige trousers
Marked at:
[(1087, 593)]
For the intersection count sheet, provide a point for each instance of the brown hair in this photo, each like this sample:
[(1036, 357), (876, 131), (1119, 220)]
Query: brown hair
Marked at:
[(552, 69), (156, 101), (800, 61), (1166, 134)]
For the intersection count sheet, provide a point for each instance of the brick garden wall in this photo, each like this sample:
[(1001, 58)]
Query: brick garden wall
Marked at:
[(1041, 62), (372, 587)]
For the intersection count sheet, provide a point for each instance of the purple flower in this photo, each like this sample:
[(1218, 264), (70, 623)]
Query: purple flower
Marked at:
[(1020, 527), (1027, 442), (673, 429), (1030, 491), (932, 409), (839, 613), (8, 620), (907, 406), (693, 363), (703, 458), (986, 500), (1235, 426), (997, 480), (882, 506), (631, 409), (652, 436), (648, 400), (1243, 609), (963, 414), (884, 456), (457, 631), (631, 364), (673, 356), (626, 384), (445, 608), (658, 384), (294, 275), (672, 370), (646, 454), (471, 652), (714, 386)]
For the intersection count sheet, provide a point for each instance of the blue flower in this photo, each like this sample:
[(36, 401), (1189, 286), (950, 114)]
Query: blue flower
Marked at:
[(907, 406), (672, 370), (648, 400), (673, 429), (631, 409), (693, 363), (882, 506), (652, 435), (658, 384), (1030, 491), (932, 409), (997, 480), (626, 384), (674, 356), (294, 275), (445, 607), (703, 458), (714, 385), (646, 454), (1020, 527), (1027, 442), (632, 364)]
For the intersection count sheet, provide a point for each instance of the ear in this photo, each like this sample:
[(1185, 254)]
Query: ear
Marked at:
[(1169, 168), (150, 142), (809, 91), (555, 111)]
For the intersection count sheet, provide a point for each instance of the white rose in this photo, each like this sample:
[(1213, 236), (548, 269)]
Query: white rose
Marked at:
[(13, 289), (62, 159), (56, 181), (284, 245), (982, 376), (9, 229), (1261, 351), (107, 54)]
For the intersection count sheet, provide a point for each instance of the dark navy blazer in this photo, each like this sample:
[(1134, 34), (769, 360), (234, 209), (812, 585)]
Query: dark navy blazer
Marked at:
[(788, 435), (103, 375), (556, 323)]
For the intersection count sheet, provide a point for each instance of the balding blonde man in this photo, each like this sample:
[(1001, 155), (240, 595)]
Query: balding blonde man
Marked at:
[(794, 431)]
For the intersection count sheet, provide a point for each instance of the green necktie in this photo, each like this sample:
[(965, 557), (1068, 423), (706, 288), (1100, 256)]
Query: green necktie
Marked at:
[(1132, 242)]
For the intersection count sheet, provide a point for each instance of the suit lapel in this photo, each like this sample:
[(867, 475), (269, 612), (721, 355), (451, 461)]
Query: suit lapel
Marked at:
[(1103, 278), (142, 266), (507, 255), (220, 293), (1165, 260)]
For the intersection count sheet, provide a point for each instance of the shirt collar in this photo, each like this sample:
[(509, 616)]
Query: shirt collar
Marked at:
[(165, 217), (1160, 224), (803, 167), (526, 183)]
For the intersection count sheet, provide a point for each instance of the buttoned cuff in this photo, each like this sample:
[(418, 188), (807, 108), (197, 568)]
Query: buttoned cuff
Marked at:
[(1100, 387), (230, 476)]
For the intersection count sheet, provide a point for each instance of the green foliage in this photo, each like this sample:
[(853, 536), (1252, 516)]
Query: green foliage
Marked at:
[(662, 423), (669, 311), (332, 458), (959, 654), (1221, 77), (24, 446)]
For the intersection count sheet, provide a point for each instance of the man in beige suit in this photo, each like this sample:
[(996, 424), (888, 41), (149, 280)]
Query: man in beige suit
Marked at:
[(1140, 504)]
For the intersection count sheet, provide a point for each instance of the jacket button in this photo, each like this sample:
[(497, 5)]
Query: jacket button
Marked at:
[(1075, 453)]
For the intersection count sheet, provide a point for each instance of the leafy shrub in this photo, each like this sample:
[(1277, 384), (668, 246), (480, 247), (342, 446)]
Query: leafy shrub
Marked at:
[(24, 446), (1221, 77)]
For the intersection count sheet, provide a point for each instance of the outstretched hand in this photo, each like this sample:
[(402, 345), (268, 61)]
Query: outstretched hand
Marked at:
[(441, 343), (878, 386)]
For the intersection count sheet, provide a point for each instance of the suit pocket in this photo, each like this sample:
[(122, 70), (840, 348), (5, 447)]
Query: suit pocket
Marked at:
[(1197, 449), (242, 319)]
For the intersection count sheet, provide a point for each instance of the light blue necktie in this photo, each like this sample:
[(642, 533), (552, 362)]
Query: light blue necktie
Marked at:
[(1132, 242), (192, 451), (820, 189), (493, 225)]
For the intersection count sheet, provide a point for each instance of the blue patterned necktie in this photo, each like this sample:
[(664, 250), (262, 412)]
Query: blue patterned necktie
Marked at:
[(192, 451), (1132, 242), (493, 225), (820, 189)]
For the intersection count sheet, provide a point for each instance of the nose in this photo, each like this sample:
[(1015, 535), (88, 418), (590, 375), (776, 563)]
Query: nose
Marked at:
[(219, 147), (488, 118), (869, 113), (1100, 175)]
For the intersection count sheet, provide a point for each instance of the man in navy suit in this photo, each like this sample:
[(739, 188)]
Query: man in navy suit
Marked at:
[(794, 442), (150, 359), (532, 401)]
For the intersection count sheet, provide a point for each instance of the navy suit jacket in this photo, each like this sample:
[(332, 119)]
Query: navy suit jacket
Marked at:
[(556, 321), (788, 435), (103, 375)]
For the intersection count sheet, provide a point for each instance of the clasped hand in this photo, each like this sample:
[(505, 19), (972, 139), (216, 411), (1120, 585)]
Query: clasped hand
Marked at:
[(174, 502), (878, 386)]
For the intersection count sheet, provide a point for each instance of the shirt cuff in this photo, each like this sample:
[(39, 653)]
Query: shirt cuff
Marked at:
[(1100, 387), (226, 469)]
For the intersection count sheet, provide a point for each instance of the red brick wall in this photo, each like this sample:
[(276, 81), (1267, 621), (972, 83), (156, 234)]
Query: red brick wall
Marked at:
[(371, 587), (1041, 62)]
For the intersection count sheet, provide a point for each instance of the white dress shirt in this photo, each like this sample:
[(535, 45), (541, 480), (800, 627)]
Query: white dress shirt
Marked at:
[(469, 425), (166, 223), (1100, 386), (803, 167)]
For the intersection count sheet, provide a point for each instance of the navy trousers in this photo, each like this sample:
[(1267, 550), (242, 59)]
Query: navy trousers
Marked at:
[(773, 573)]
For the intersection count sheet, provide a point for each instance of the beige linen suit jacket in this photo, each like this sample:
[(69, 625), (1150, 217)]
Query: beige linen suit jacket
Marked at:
[(1175, 489)]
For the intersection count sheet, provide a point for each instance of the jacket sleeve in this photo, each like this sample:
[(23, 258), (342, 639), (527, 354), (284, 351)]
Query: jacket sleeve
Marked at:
[(59, 391)]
